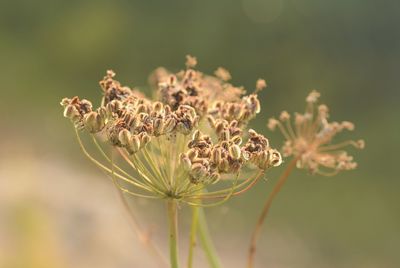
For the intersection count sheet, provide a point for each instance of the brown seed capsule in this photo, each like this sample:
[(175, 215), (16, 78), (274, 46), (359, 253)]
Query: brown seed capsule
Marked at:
[(196, 135), (135, 143), (124, 137), (113, 106), (65, 101), (145, 139), (224, 165), (216, 155), (225, 135), (234, 151), (237, 140), (170, 124), (71, 112), (158, 126), (157, 106), (198, 171), (211, 121), (275, 158)]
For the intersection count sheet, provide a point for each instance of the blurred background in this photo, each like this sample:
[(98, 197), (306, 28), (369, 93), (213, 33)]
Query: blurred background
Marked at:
[(58, 210)]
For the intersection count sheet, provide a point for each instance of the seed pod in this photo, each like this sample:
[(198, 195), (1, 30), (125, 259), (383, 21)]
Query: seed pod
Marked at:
[(142, 108), (252, 133), (169, 124), (135, 143), (275, 158), (219, 127), (246, 155), (237, 140), (71, 112), (157, 106), (113, 106), (65, 101), (198, 171), (102, 113), (225, 135), (234, 151), (158, 126), (124, 137), (144, 139), (196, 135), (360, 144), (216, 155), (93, 122), (224, 165), (211, 121)]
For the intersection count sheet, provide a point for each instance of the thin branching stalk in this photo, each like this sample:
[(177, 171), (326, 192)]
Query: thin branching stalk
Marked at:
[(206, 241), (193, 235), (257, 230), (145, 239), (173, 232)]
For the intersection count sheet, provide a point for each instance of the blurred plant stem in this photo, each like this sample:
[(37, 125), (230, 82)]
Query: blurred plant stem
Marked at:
[(173, 232), (193, 235), (144, 238), (264, 213), (206, 241)]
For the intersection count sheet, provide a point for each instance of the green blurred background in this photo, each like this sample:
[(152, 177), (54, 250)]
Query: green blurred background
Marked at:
[(57, 210)]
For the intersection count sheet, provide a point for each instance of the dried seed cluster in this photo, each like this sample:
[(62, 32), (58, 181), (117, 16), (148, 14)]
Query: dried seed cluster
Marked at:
[(206, 161), (310, 139), (128, 120)]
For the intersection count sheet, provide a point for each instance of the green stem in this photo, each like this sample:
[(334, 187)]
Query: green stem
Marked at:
[(193, 234), (206, 241), (173, 232)]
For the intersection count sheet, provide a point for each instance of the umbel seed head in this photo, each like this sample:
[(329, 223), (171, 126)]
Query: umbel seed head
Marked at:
[(193, 134)]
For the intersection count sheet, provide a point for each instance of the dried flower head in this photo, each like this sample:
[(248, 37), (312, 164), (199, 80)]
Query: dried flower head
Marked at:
[(310, 140), (172, 151)]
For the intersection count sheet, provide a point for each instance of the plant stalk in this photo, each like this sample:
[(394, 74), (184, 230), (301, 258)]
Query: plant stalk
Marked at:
[(206, 240), (257, 230), (173, 232), (193, 235)]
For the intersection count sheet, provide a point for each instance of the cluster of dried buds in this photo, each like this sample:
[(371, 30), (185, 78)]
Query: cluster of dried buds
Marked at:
[(310, 140), (163, 139)]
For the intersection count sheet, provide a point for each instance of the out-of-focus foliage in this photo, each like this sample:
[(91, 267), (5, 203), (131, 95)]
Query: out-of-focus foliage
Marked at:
[(348, 50)]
